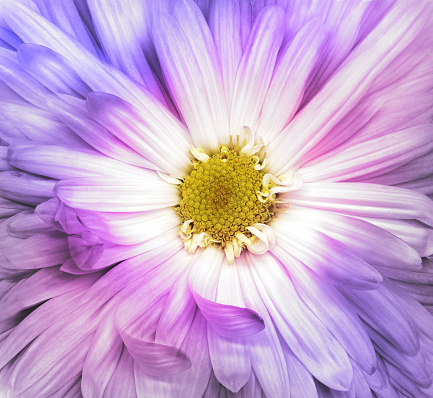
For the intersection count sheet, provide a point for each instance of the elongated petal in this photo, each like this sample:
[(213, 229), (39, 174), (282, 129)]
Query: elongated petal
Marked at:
[(340, 95), (77, 118), (164, 147), (120, 42), (9, 207), (226, 24), (192, 72), (102, 359), (122, 381), (373, 156), (130, 228), (48, 249), (256, 68), (225, 321), (61, 162), (314, 346), (191, 382), (230, 358), (44, 284), (335, 313), (375, 245), (30, 26), (26, 224), (117, 194), (412, 232), (324, 255), (364, 200), (267, 358), (156, 359), (65, 14), (289, 81), (51, 69), (377, 308)]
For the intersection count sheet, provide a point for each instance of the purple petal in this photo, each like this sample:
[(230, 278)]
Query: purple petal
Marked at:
[(228, 320), (51, 69), (160, 141), (156, 359), (25, 188), (85, 249)]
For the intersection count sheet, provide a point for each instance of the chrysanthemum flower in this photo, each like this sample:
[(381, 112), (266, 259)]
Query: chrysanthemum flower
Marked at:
[(216, 200)]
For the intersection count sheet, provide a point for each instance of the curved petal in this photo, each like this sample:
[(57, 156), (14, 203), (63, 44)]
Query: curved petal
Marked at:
[(228, 320), (156, 359), (191, 382)]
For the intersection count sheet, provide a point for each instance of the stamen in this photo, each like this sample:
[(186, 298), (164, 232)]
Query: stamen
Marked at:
[(227, 200)]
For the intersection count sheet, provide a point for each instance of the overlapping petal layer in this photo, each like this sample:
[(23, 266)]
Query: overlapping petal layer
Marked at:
[(100, 103)]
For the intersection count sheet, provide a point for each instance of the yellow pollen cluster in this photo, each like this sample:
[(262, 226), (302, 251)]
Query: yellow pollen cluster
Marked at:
[(220, 196)]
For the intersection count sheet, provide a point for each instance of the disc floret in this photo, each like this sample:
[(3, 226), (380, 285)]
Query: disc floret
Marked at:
[(226, 200)]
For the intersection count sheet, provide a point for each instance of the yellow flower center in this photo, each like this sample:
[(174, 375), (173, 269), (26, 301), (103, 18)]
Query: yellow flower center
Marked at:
[(221, 196), (228, 201)]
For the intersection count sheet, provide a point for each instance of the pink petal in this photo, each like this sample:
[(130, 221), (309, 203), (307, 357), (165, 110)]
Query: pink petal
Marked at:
[(256, 69), (156, 359), (228, 320)]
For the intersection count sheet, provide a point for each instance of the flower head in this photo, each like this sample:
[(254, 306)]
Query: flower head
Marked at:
[(216, 198)]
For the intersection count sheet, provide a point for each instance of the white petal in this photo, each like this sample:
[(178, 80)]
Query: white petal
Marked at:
[(159, 142), (364, 200), (117, 194), (289, 81), (373, 156), (325, 256), (305, 335), (130, 228), (375, 245), (256, 68), (192, 74), (267, 356), (230, 359), (342, 93), (225, 24)]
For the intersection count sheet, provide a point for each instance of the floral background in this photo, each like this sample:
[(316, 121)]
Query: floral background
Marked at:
[(101, 102)]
